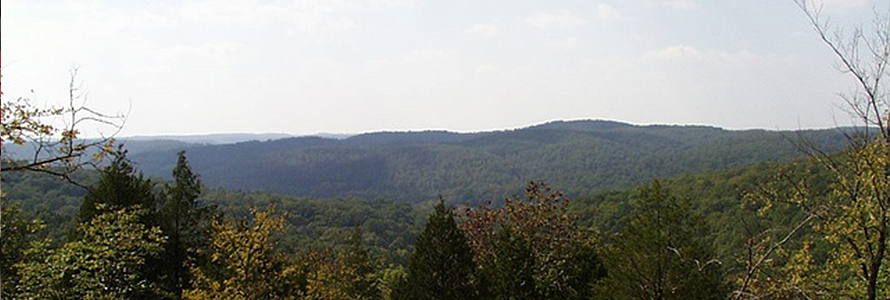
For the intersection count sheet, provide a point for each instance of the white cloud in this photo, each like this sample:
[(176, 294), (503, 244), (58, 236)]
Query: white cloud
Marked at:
[(484, 29), (209, 52), (607, 12), (567, 42), (682, 4), (671, 53), (393, 3), (562, 20), (672, 4), (690, 54), (304, 16), (426, 55)]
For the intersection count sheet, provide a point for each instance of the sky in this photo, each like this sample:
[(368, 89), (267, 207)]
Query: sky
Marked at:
[(352, 66)]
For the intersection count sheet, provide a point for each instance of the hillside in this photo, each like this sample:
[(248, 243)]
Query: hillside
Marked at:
[(578, 157), (392, 225)]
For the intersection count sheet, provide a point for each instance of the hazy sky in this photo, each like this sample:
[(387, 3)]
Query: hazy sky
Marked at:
[(183, 67)]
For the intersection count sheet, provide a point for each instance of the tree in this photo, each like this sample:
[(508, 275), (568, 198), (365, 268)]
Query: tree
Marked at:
[(186, 223), (350, 273), (104, 264), (244, 264), (662, 253), (57, 150), (850, 226), (119, 187), (442, 264), (511, 273), (563, 261), (393, 282), (853, 220), (363, 279), (857, 217), (18, 233), (865, 56)]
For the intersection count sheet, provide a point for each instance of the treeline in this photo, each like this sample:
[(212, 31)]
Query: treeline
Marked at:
[(135, 241), (578, 157), (312, 223), (807, 229)]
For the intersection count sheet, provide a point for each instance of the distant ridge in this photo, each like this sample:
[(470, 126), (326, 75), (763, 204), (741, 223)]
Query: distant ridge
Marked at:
[(230, 138), (213, 138), (584, 125), (408, 137), (578, 157)]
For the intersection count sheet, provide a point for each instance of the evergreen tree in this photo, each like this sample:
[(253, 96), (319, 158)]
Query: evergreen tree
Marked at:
[(442, 264), (186, 223), (119, 187), (662, 253)]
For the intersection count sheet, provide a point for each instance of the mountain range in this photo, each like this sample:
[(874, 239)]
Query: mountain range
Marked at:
[(576, 157)]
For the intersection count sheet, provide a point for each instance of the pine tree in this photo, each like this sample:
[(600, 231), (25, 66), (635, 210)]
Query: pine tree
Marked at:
[(442, 264), (186, 223), (119, 187)]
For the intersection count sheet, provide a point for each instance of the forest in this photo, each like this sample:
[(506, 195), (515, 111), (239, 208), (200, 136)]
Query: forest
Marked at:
[(579, 157), (562, 210), (699, 236)]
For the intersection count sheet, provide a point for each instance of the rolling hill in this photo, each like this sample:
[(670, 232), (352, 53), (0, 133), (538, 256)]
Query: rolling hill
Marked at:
[(577, 157)]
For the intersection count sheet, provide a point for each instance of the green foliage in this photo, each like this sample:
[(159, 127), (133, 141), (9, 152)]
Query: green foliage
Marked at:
[(511, 272), (318, 223), (45, 197), (394, 281), (186, 223), (245, 265), (580, 158), (18, 233), (365, 280), (351, 273), (119, 187), (54, 149), (348, 274), (23, 121), (719, 197), (104, 264), (661, 253), (530, 240), (857, 221), (442, 264), (539, 235), (846, 255)]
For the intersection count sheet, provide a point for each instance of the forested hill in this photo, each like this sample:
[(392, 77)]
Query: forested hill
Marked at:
[(577, 157)]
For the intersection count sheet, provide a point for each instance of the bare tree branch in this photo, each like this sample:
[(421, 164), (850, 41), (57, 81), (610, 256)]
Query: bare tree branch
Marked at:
[(58, 150)]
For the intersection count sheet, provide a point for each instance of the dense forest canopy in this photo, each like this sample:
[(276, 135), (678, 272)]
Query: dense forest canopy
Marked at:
[(389, 228), (633, 212), (578, 157)]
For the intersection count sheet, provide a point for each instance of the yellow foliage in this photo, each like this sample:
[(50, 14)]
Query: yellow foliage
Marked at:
[(249, 268)]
